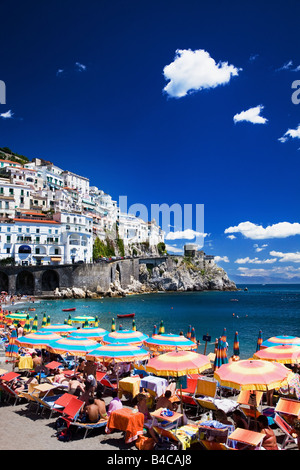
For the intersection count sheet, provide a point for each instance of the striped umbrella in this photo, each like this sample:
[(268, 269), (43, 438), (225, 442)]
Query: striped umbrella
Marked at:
[(259, 340), (27, 326), (69, 321), (252, 375), (124, 336), (35, 324), (224, 336), (37, 340), (278, 340), (221, 355), (17, 317), (169, 342), (236, 345), (284, 353), (161, 328), (92, 333), (48, 321), (59, 328), (73, 345), (12, 350), (96, 324), (118, 352), (113, 325), (82, 319), (133, 325), (178, 363), (44, 321)]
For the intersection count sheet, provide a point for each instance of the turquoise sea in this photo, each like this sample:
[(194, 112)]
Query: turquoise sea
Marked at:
[(274, 309)]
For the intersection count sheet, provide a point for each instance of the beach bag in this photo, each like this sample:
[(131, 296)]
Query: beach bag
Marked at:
[(64, 435), (145, 443), (61, 424)]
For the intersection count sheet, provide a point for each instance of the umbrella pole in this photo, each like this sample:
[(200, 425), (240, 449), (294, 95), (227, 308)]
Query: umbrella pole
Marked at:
[(181, 403)]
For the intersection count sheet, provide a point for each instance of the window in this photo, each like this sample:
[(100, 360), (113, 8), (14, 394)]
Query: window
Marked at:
[(37, 230), (8, 239), (37, 251), (11, 191), (8, 251), (19, 230)]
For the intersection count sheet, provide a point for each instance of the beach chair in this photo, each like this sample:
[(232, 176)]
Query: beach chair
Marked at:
[(207, 389), (288, 407), (44, 396), (72, 409), (248, 439), (251, 403), (287, 431), (187, 396), (107, 384), (9, 393), (88, 427)]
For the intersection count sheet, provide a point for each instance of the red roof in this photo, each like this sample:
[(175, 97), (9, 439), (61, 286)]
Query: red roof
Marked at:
[(40, 221)]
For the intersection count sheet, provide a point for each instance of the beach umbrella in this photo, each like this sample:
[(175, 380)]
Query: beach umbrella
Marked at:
[(113, 325), (92, 333), (39, 340), (169, 342), (161, 328), (224, 336), (86, 324), (118, 352), (259, 340), (69, 321), (236, 345), (252, 374), (96, 324), (154, 330), (178, 363), (59, 328), (133, 325), (2, 319), (48, 321), (284, 353), (73, 345), (44, 320), (221, 355), (278, 340), (35, 324), (12, 350), (82, 319), (188, 335), (17, 317), (124, 336), (27, 327)]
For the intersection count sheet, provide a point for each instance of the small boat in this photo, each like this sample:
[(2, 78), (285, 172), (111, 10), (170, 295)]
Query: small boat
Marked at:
[(125, 315), (68, 309), (31, 309)]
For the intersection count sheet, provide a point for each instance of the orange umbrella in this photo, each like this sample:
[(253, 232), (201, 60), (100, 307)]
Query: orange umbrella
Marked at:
[(169, 342), (252, 375), (284, 353), (178, 363)]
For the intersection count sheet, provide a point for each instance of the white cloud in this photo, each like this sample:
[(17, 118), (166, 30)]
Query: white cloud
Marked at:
[(232, 237), (194, 71), (260, 248), (187, 234), (173, 249), (258, 232), (288, 66), (80, 67), (255, 260), (251, 115), (287, 257), (59, 72), (293, 133), (7, 115), (221, 258), (287, 272)]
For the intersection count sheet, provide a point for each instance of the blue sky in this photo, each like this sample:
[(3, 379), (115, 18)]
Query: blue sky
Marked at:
[(168, 102)]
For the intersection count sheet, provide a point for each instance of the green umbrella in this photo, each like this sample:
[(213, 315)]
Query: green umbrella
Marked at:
[(35, 324), (48, 321), (44, 321), (27, 324), (113, 325), (161, 328)]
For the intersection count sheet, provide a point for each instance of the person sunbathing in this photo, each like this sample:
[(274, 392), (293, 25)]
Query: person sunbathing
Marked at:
[(92, 411), (101, 404), (269, 442), (75, 387), (164, 401)]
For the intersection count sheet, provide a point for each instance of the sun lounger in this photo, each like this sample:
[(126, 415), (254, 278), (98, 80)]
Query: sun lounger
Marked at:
[(44, 395), (183, 436), (206, 393), (288, 406), (287, 431), (187, 396), (9, 393), (73, 408), (107, 384), (250, 439), (87, 427)]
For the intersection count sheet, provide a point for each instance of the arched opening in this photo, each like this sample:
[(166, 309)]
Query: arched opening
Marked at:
[(50, 280), (25, 283), (3, 282), (118, 273)]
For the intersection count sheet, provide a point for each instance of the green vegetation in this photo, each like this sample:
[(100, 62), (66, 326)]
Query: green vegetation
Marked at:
[(9, 261), (121, 248), (13, 156), (161, 248), (103, 249)]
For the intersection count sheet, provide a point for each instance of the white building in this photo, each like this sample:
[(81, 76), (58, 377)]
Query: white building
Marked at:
[(77, 236), (80, 183)]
